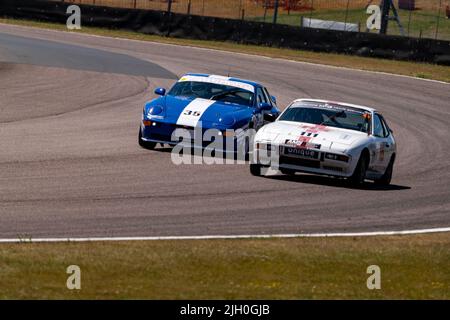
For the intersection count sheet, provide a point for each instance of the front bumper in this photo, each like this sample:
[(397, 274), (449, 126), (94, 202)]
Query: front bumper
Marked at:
[(277, 158), (162, 133)]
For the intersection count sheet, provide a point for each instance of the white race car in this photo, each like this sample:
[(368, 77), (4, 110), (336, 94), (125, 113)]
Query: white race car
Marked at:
[(328, 138)]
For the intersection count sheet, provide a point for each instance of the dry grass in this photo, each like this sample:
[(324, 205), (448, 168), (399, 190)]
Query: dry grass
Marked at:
[(412, 267)]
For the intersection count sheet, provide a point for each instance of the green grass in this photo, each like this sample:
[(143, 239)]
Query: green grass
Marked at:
[(412, 267), (421, 24), (422, 70)]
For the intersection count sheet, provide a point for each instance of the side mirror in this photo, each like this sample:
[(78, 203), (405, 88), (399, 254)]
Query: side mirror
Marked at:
[(274, 99), (268, 117), (160, 91), (264, 106)]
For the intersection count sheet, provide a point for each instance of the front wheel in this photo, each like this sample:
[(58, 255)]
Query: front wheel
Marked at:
[(386, 179), (145, 144), (359, 175)]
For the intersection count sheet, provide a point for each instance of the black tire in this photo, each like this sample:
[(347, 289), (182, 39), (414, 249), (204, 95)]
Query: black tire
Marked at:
[(359, 175), (145, 144), (288, 172), (386, 179), (255, 169)]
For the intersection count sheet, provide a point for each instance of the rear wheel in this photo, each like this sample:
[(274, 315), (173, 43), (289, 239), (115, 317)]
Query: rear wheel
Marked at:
[(386, 179), (288, 172), (255, 169), (145, 144), (359, 175)]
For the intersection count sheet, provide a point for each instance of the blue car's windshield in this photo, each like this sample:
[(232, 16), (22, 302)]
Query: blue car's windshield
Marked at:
[(213, 91), (327, 115)]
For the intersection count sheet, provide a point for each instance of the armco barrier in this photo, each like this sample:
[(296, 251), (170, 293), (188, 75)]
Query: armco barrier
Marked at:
[(248, 32)]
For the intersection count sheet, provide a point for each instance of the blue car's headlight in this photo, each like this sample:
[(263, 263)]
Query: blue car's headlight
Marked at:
[(227, 120), (155, 111)]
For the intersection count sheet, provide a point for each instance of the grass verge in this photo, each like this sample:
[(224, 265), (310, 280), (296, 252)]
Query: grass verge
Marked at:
[(420, 70), (412, 267), (418, 23)]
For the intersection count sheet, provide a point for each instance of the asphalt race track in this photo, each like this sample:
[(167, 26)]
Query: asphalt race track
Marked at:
[(70, 165)]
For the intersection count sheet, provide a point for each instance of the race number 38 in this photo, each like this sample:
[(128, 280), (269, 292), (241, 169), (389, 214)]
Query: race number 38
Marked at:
[(374, 20)]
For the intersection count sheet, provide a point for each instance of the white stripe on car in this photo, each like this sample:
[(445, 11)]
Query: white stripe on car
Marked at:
[(191, 114)]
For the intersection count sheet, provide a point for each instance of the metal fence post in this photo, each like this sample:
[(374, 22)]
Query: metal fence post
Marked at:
[(265, 10), (311, 12), (438, 19), (240, 8), (169, 6), (409, 20), (346, 15), (386, 6), (275, 13)]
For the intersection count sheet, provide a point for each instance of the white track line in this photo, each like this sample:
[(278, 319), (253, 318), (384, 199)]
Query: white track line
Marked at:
[(227, 52), (224, 237)]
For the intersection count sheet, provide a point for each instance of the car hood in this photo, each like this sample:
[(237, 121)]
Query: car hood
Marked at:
[(215, 114), (327, 137)]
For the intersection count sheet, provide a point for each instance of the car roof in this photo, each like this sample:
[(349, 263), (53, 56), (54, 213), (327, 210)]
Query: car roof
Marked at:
[(344, 104), (253, 83)]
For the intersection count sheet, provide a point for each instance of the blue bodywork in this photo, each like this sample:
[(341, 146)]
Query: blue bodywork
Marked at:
[(160, 116)]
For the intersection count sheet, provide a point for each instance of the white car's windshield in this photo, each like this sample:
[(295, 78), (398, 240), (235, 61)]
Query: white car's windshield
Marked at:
[(213, 91), (329, 115)]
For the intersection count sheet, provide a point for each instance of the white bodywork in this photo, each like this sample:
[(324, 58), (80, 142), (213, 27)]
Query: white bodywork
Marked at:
[(301, 138)]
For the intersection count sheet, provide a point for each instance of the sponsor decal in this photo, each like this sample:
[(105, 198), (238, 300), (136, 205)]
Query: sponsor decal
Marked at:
[(308, 134), (329, 105), (300, 143), (301, 152), (219, 80)]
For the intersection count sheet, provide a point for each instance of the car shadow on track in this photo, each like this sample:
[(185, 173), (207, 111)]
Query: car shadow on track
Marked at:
[(335, 182), (163, 149)]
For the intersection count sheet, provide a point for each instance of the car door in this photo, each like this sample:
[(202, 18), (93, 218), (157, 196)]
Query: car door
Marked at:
[(389, 141), (382, 145)]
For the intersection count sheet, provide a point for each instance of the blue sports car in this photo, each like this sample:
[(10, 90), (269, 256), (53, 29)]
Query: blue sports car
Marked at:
[(225, 104)]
